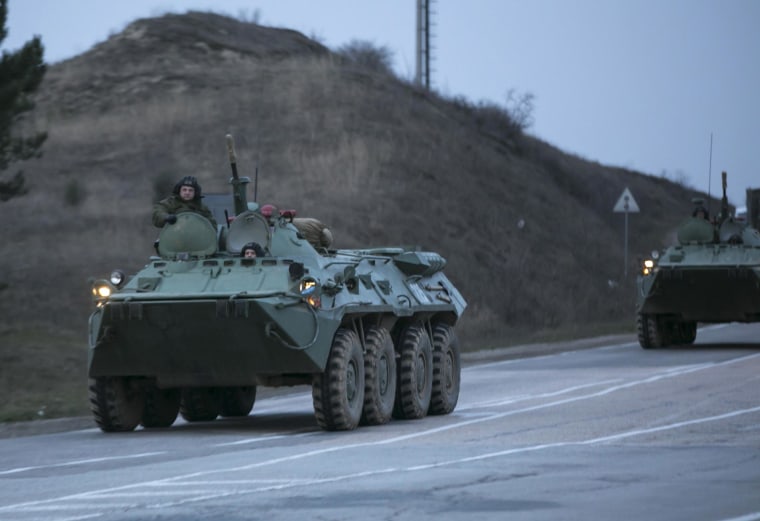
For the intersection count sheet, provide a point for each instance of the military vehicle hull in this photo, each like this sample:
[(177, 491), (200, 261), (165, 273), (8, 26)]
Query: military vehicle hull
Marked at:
[(181, 343), (200, 327), (704, 294), (190, 338)]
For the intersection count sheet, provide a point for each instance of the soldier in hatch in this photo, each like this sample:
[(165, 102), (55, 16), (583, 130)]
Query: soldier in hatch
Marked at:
[(700, 212), (252, 250), (186, 197)]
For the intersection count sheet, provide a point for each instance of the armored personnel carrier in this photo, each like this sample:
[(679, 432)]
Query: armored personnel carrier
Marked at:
[(711, 275), (200, 328)]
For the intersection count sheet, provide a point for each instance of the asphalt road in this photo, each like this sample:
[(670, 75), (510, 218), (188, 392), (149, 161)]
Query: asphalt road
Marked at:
[(605, 430)]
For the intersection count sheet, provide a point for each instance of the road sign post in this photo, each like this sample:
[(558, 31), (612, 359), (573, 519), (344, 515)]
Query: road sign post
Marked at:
[(626, 204)]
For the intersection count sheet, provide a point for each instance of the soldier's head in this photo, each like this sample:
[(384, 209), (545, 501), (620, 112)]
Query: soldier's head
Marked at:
[(188, 189), (252, 249), (701, 213)]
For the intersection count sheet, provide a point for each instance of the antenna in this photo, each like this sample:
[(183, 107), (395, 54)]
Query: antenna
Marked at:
[(256, 185), (709, 178)]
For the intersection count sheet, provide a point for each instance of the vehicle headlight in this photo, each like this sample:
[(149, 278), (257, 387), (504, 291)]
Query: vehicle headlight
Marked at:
[(117, 278), (647, 267), (310, 292), (101, 291)]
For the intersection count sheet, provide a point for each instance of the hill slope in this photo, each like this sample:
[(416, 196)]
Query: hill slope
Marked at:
[(528, 230)]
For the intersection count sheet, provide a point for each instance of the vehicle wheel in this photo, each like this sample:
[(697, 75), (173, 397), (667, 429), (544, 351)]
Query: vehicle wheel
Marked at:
[(688, 332), (379, 377), (674, 333), (161, 407), (338, 392), (200, 403), (656, 331), (238, 401), (415, 374), (642, 330), (116, 403), (446, 370)]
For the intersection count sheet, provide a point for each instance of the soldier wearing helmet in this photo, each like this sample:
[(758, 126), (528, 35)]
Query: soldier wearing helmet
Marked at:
[(185, 197), (252, 250), (701, 213)]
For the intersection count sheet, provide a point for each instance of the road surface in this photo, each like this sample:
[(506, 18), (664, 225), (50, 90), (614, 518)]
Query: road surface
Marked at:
[(604, 432)]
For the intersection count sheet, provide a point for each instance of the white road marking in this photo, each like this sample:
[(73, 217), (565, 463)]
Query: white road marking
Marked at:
[(754, 516), (524, 397), (81, 462), (247, 441)]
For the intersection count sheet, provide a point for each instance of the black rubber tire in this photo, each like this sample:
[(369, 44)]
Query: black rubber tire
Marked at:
[(238, 401), (643, 333), (652, 332), (379, 376), (415, 374), (161, 407), (658, 335), (674, 333), (688, 332), (200, 403), (117, 403), (447, 370), (338, 392)]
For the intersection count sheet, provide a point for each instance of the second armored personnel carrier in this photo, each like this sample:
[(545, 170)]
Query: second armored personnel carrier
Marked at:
[(200, 327), (712, 275)]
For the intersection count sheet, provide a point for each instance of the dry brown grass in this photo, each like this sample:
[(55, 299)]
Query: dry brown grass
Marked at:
[(379, 161)]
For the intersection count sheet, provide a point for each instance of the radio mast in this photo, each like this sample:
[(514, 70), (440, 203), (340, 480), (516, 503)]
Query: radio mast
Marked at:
[(424, 36)]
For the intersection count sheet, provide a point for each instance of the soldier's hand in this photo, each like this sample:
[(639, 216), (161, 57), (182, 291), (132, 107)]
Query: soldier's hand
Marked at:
[(170, 219)]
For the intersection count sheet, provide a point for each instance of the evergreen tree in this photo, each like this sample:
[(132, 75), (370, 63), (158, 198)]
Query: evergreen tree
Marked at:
[(20, 74)]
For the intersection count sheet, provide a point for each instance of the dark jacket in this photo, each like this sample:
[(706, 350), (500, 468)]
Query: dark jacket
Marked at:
[(175, 205)]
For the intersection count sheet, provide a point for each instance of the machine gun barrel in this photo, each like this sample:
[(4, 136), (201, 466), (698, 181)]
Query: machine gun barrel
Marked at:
[(232, 155), (238, 183), (724, 200)]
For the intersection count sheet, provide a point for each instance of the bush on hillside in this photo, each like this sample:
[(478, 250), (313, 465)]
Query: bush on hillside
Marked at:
[(368, 55)]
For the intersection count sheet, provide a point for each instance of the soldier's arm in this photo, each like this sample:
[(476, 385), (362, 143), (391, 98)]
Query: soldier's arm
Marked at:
[(160, 212)]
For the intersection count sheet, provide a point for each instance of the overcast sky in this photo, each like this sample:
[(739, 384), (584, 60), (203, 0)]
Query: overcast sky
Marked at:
[(641, 84)]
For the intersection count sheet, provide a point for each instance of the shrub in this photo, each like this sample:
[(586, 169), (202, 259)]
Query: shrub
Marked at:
[(367, 55), (13, 188)]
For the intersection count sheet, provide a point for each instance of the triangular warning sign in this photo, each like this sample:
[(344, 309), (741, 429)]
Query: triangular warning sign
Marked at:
[(626, 203)]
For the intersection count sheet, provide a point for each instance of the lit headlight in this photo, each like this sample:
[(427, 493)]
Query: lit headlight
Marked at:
[(310, 292), (647, 267), (101, 291)]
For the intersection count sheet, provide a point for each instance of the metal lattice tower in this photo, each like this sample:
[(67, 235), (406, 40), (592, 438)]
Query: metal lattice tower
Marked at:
[(424, 35)]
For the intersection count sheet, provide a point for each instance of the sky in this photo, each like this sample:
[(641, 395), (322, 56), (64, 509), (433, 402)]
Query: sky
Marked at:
[(664, 87)]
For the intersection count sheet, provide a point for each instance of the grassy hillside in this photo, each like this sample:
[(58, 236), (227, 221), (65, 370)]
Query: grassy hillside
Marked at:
[(528, 231)]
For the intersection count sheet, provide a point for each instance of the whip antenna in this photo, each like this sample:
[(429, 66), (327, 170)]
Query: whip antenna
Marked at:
[(709, 178)]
